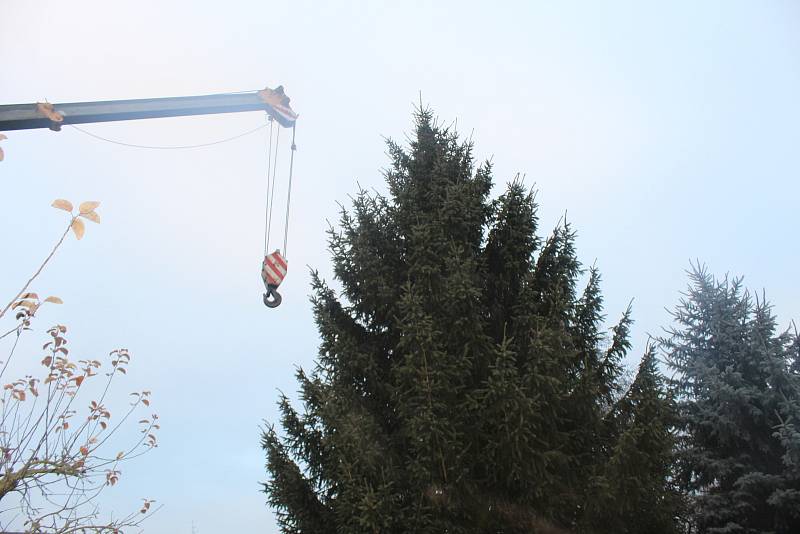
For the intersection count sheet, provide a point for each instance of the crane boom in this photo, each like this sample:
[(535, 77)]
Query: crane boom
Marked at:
[(29, 116), (273, 101)]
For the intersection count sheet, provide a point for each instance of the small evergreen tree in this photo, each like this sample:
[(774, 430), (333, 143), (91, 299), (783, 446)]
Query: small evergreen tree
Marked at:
[(739, 407), (463, 383)]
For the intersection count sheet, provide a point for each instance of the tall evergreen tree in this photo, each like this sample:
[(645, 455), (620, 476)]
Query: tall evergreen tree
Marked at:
[(739, 407), (641, 496), (462, 384)]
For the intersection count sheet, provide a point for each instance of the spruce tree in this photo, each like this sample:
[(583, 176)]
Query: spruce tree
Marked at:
[(464, 383), (641, 496), (739, 404)]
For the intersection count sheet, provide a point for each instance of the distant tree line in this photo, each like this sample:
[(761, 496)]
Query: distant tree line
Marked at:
[(465, 382)]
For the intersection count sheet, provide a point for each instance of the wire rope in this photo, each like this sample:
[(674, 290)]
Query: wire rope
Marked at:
[(268, 196), (289, 198), (271, 199), (178, 147)]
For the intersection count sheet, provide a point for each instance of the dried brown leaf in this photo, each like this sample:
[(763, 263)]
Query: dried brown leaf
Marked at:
[(25, 303), (62, 204), (54, 300), (92, 216), (78, 228), (88, 206)]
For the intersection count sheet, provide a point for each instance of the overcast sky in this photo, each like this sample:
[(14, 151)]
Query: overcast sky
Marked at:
[(667, 131)]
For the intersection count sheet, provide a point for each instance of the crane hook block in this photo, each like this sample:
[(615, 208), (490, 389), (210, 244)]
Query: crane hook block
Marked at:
[(273, 271), (278, 106)]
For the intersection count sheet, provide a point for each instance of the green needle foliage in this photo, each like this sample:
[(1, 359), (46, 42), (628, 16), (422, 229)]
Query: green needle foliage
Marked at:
[(464, 383), (739, 402), (641, 495)]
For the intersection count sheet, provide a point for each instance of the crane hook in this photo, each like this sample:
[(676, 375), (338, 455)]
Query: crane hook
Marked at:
[(272, 292)]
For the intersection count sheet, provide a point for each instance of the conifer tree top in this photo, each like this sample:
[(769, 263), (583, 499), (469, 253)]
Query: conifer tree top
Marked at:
[(464, 382)]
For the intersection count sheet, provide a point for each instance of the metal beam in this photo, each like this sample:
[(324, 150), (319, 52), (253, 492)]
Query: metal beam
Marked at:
[(28, 116)]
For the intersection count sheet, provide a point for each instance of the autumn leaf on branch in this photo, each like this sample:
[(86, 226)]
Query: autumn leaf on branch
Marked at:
[(88, 206), (78, 228), (62, 204), (92, 216), (86, 210)]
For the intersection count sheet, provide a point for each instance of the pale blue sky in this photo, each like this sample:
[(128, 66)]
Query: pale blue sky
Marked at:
[(667, 130)]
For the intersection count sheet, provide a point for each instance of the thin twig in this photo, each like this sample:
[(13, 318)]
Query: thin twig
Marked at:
[(39, 271)]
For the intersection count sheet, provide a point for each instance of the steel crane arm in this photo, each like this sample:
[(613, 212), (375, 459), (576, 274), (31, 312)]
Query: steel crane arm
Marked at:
[(28, 116)]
